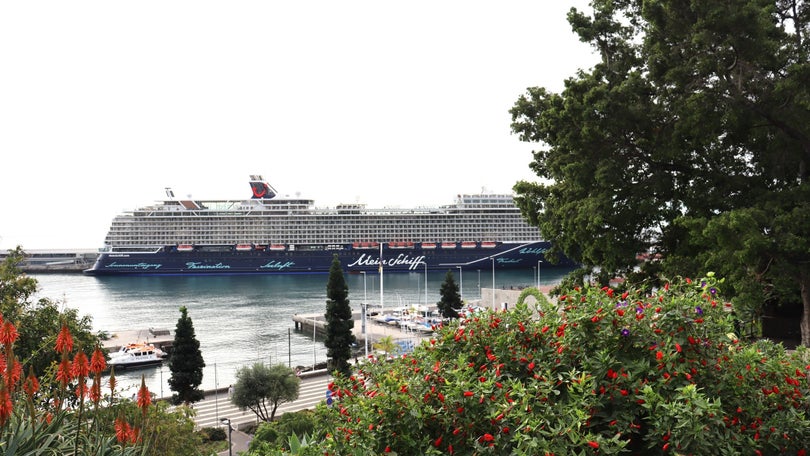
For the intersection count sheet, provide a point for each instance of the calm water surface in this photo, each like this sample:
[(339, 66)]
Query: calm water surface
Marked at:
[(240, 320)]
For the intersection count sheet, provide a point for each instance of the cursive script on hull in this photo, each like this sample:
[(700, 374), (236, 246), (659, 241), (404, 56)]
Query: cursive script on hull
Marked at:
[(277, 265), (403, 259), (139, 266), (198, 265)]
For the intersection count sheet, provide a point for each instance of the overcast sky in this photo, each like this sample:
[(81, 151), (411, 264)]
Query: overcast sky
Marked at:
[(104, 104)]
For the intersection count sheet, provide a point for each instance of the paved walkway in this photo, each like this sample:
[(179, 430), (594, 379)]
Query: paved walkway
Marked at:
[(217, 407)]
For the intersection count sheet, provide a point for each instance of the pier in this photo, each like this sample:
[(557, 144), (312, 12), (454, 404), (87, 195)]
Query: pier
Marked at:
[(160, 338), (56, 260)]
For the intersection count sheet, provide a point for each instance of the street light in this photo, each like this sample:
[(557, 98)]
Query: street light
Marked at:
[(364, 308), (460, 283), (230, 429), (425, 263), (493, 282)]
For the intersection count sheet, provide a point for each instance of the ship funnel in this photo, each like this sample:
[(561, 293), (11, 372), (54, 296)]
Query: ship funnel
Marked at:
[(261, 189)]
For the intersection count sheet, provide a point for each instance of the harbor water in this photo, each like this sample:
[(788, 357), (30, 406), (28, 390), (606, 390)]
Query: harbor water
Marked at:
[(242, 320)]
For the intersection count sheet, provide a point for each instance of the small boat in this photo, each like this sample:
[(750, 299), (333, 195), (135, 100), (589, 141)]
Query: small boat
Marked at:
[(468, 245), (488, 245), (428, 245), (136, 355), (277, 247), (185, 248), (448, 245), (244, 247)]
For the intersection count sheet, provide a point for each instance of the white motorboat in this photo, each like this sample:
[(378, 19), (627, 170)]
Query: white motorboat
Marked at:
[(136, 355)]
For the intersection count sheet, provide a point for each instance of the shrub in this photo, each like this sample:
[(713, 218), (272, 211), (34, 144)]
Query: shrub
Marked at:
[(602, 372), (213, 434)]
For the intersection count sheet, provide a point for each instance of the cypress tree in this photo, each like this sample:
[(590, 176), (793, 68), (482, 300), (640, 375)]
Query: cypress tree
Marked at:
[(450, 303), (339, 321), (186, 362)]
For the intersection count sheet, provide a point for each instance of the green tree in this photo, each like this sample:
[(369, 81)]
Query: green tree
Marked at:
[(339, 320), (386, 344), (450, 302), (261, 386), (186, 362), (37, 318), (688, 142), (605, 372)]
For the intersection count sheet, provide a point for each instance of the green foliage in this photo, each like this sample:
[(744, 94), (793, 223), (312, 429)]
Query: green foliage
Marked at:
[(687, 142), (214, 434), (600, 372), (281, 434), (339, 320), (186, 362), (260, 386), (33, 319), (450, 302)]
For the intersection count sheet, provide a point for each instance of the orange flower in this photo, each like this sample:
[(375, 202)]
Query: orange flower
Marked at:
[(95, 391), (31, 385), (112, 382), (81, 390), (122, 430), (80, 366), (63, 373), (8, 333), (64, 341), (144, 398), (97, 361), (5, 406)]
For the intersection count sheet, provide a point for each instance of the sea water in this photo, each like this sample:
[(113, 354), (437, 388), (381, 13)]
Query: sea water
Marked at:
[(242, 320)]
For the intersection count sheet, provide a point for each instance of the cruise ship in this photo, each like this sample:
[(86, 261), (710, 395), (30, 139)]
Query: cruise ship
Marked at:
[(269, 234)]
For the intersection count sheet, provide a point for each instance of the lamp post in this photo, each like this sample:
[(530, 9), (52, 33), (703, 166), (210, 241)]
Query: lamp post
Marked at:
[(230, 429), (460, 283), (538, 272), (425, 263), (493, 282), (364, 308)]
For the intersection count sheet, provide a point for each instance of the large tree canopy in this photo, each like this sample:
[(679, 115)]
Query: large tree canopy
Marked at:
[(689, 142)]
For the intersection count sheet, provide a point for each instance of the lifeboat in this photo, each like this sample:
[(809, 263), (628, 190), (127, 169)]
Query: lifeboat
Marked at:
[(185, 248), (487, 245), (428, 245), (468, 245), (448, 245), (244, 247), (277, 247)]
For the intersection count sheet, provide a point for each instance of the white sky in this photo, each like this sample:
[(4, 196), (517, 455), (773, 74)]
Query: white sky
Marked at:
[(103, 104)]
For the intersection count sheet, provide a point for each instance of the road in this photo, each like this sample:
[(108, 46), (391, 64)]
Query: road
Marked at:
[(215, 407)]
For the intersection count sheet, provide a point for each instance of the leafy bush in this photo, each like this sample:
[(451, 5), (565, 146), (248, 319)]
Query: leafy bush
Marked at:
[(213, 434), (601, 372)]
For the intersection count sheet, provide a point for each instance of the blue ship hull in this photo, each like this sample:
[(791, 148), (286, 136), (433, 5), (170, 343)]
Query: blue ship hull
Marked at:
[(225, 260)]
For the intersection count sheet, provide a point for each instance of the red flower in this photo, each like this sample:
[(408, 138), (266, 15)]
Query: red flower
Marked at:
[(64, 341), (121, 430), (31, 385), (63, 373), (487, 437), (8, 333), (144, 398), (5, 406), (97, 361), (593, 444), (468, 393), (80, 366)]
